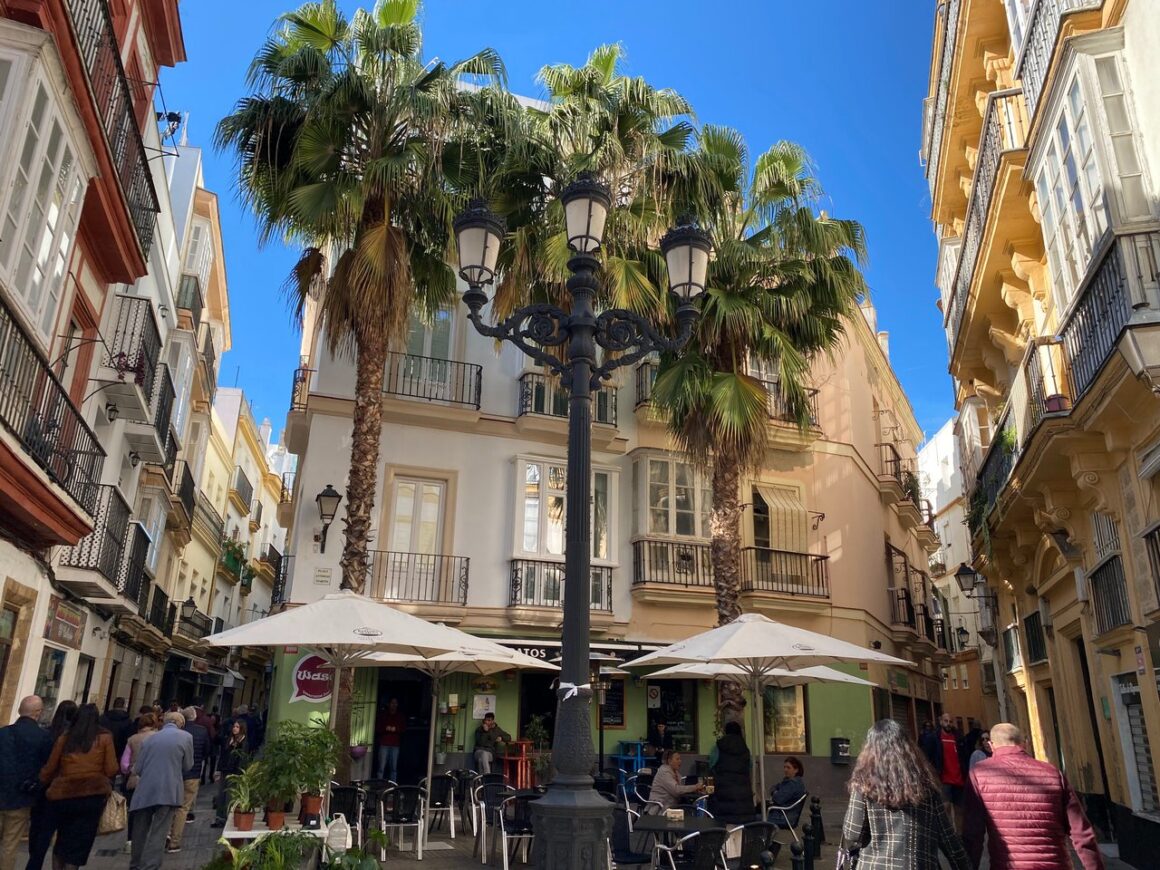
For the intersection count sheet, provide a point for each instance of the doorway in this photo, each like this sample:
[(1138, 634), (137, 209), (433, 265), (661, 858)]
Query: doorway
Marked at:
[(537, 698), (413, 692)]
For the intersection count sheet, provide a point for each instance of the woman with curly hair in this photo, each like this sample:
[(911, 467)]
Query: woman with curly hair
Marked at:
[(896, 819)]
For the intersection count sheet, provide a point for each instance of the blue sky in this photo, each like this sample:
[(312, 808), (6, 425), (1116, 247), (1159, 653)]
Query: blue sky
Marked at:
[(844, 78)]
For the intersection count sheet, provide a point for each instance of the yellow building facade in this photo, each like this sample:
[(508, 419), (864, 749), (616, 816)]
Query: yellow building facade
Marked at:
[(1041, 146)]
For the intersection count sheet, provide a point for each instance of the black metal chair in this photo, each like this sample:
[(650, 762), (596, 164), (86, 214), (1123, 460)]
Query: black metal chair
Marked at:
[(756, 837), (514, 817), (463, 779), (441, 801), (620, 852), (404, 806), (479, 780), (487, 800), (350, 800), (704, 850)]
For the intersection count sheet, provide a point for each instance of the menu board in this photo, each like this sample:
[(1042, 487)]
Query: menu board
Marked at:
[(612, 713)]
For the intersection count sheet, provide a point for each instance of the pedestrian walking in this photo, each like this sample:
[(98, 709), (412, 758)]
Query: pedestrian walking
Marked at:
[(896, 818), (217, 739), (118, 723), (191, 778), (732, 765), (233, 758), (1026, 809), (981, 750), (160, 766), (942, 751), (24, 749), (42, 825), (78, 777)]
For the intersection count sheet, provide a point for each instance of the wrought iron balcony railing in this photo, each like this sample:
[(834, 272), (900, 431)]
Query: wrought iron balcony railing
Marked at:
[(779, 409), (1043, 27), (993, 473), (1003, 130), (672, 563), (36, 410), (131, 575), (163, 398), (937, 563), (300, 389), (272, 557), (893, 463), (287, 494), (196, 626), (902, 610), (943, 638), (232, 562), (208, 514), (942, 91), (1110, 595), (93, 27), (135, 346), (159, 611), (242, 486), (538, 583), (543, 395), (189, 299), (101, 549), (184, 487), (418, 577), (783, 572), (1036, 641), (278, 593), (924, 622), (1152, 544), (256, 512), (436, 380), (208, 358)]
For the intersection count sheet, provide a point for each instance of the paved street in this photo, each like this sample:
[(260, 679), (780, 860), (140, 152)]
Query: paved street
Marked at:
[(201, 844)]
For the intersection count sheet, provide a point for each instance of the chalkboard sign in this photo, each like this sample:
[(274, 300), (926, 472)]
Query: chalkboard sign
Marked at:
[(612, 713)]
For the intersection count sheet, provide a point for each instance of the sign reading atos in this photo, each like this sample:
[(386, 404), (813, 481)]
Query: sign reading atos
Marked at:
[(313, 679)]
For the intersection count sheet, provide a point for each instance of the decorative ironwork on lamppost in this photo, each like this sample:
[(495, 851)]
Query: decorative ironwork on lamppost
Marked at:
[(573, 821)]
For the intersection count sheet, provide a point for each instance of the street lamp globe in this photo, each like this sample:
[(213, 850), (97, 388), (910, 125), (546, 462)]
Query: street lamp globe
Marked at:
[(966, 577), (686, 248), (964, 636), (328, 501), (188, 608), (586, 202), (478, 235)]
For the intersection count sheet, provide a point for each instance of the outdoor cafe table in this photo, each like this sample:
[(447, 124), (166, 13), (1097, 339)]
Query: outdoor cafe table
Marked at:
[(690, 824)]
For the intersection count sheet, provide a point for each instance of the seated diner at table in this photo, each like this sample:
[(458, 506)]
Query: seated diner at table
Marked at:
[(667, 789)]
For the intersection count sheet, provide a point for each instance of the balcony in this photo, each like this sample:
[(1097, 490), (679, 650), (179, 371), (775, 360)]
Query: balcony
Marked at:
[(645, 376), (296, 428), (676, 571), (196, 626), (256, 515), (241, 491), (779, 572), (184, 492), (937, 563), (160, 613), (993, 474), (537, 594), (1036, 640), (1004, 131), (129, 370), (50, 460), (90, 567), (97, 42), (207, 367), (1043, 26), (1012, 652), (208, 521), (1109, 592), (232, 561), (270, 564), (131, 577), (286, 500), (902, 610), (543, 396), (434, 585), (433, 380), (190, 303), (892, 473), (935, 121), (278, 592), (152, 441)]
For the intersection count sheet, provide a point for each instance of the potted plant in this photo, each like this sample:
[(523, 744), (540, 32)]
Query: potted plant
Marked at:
[(244, 790), (311, 752), (277, 787)]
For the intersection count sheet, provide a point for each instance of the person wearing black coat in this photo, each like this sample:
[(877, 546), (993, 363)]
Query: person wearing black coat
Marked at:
[(117, 722), (732, 800), (24, 748)]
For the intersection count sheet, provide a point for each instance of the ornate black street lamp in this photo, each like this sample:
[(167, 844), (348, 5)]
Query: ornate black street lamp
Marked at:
[(572, 821)]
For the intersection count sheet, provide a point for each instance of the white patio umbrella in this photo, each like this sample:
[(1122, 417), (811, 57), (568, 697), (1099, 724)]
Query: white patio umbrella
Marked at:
[(345, 628), (757, 646), (779, 677), (490, 658)]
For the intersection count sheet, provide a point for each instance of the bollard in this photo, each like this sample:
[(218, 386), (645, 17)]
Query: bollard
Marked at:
[(796, 861), (816, 821), (766, 858), (808, 846)]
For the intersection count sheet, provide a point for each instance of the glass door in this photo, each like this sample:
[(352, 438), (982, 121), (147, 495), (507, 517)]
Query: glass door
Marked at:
[(426, 369), (413, 569)]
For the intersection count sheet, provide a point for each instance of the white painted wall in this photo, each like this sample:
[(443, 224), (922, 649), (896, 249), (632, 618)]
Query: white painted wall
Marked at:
[(1141, 37)]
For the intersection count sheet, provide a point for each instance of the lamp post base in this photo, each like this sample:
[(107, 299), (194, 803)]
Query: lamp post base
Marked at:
[(572, 828)]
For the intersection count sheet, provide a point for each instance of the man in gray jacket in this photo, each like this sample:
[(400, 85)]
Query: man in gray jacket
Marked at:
[(161, 765)]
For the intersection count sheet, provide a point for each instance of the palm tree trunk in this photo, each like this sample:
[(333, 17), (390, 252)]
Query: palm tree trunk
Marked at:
[(364, 458), (344, 685), (725, 537)]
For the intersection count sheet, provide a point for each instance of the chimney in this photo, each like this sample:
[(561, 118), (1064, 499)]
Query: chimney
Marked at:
[(884, 343), (870, 313)]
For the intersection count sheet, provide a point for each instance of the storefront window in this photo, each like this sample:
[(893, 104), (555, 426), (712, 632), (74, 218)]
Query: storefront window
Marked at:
[(7, 630), (785, 720), (48, 680), (677, 708)]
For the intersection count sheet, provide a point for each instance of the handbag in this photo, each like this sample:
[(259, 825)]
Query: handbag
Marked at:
[(115, 815), (847, 860)]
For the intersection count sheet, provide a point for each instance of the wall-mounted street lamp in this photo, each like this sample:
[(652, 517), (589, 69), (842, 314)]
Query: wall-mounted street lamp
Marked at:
[(968, 579), (134, 458), (188, 609), (112, 412), (963, 636), (328, 501)]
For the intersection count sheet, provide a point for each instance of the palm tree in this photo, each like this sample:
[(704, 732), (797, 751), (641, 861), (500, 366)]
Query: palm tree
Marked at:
[(783, 279), (339, 150)]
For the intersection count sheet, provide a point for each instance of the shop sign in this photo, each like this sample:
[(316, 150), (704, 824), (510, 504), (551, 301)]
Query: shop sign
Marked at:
[(65, 623), (313, 679), (653, 698), (198, 666)]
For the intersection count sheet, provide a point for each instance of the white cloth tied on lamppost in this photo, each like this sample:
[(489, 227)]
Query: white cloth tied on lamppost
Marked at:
[(762, 651)]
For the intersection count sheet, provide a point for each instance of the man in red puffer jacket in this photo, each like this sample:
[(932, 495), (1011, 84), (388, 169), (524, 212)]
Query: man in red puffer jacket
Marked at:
[(1027, 810)]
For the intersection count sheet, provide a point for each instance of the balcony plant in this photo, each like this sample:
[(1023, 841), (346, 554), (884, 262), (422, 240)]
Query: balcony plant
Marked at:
[(911, 487)]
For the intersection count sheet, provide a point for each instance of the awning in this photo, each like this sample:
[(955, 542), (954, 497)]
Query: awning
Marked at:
[(788, 519), (232, 678)]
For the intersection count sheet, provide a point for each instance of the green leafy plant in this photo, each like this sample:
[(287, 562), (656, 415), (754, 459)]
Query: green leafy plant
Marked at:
[(537, 732), (244, 788), (1008, 440), (277, 782), (233, 549), (277, 851), (911, 486), (359, 859), (305, 755)]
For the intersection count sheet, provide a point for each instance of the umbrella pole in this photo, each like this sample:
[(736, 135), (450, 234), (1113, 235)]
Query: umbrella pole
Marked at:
[(759, 708), (431, 743)]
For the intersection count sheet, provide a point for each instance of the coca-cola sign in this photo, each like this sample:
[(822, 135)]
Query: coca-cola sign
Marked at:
[(313, 679)]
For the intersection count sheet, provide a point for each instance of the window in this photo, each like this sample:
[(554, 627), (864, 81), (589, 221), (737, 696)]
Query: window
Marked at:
[(199, 257), (1018, 11), (152, 514), (40, 215), (679, 499), (417, 516), (542, 505), (181, 367), (8, 615), (964, 676), (1129, 168)]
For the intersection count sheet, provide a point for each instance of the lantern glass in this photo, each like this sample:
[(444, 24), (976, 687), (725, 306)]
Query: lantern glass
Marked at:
[(328, 501), (966, 577), (586, 202), (686, 249), (188, 608), (478, 235)]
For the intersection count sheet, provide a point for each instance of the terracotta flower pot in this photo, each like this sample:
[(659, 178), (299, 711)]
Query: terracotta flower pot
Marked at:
[(275, 819), (311, 804), (243, 821)]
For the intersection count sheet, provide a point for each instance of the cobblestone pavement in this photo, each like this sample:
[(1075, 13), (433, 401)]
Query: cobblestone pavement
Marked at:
[(201, 845)]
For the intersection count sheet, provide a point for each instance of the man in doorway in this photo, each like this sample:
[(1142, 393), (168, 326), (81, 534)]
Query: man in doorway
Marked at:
[(24, 750), (388, 739), (1027, 810), (942, 748), (489, 740)]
